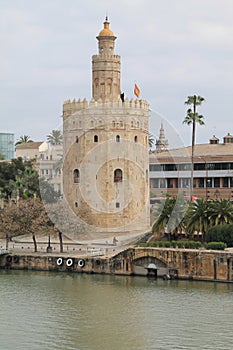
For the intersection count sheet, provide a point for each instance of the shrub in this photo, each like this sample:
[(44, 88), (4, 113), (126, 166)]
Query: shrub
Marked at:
[(220, 233), (216, 245)]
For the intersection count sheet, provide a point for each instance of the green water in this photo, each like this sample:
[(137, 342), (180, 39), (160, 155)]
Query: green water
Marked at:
[(61, 311)]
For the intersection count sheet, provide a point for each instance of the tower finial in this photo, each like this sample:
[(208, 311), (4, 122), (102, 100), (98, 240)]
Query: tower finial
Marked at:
[(106, 18)]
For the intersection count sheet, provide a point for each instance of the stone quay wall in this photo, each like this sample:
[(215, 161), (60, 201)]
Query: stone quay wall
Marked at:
[(179, 263)]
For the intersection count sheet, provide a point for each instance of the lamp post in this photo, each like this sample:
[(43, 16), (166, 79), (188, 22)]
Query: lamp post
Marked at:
[(206, 177)]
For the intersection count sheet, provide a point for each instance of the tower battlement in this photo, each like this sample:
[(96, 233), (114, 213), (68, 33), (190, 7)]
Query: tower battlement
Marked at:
[(100, 58), (71, 107)]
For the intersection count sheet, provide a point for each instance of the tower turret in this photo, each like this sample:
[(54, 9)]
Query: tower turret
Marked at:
[(162, 142), (106, 67)]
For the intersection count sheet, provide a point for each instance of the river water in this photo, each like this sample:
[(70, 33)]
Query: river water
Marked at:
[(62, 311)]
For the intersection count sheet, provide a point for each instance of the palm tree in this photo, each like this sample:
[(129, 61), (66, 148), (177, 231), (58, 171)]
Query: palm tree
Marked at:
[(23, 139), (221, 212), (151, 140), (193, 118), (198, 217), (55, 137), (170, 214)]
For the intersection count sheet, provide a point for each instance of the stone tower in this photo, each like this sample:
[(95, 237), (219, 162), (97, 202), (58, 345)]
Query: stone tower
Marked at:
[(161, 142), (106, 163)]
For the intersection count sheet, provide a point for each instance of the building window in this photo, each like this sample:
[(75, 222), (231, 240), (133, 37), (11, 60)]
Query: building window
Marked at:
[(118, 175), (118, 138), (113, 124), (135, 139), (76, 176), (163, 183), (202, 182), (76, 139), (185, 183), (96, 139), (117, 205), (216, 182), (76, 204), (225, 182), (131, 123)]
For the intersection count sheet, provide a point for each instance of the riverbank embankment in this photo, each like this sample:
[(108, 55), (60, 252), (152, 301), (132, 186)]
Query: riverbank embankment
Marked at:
[(192, 264)]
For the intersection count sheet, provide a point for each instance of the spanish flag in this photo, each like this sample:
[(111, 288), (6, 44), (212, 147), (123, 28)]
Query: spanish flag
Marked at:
[(136, 90)]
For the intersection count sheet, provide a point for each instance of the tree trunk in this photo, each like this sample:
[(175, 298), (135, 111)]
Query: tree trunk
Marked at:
[(35, 244), (60, 240), (193, 147)]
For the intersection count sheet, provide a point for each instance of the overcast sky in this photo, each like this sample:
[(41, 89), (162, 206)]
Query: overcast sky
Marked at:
[(171, 48)]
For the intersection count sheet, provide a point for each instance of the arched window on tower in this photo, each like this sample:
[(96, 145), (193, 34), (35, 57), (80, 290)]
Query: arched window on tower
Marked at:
[(118, 138), (76, 176), (118, 175), (96, 139), (135, 139)]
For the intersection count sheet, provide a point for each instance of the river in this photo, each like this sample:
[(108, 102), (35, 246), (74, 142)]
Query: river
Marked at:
[(62, 311)]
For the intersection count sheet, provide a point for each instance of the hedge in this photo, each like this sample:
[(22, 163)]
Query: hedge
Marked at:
[(220, 233), (173, 244), (216, 245)]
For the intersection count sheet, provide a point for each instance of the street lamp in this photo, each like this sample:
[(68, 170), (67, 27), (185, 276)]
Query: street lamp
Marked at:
[(206, 177)]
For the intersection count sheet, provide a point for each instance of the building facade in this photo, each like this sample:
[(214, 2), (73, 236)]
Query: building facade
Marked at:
[(47, 159), (170, 170), (7, 146), (105, 140)]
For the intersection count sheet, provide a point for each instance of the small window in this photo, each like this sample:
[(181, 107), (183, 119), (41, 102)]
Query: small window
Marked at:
[(76, 176), (96, 139), (118, 175), (131, 123), (76, 204), (117, 205), (118, 138), (113, 124), (76, 139), (135, 139)]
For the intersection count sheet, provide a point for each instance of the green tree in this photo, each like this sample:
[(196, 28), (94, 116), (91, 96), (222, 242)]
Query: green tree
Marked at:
[(8, 173), (2, 157), (170, 212), (55, 137), (151, 140), (221, 233), (26, 183), (23, 139), (221, 212), (193, 118), (198, 217)]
